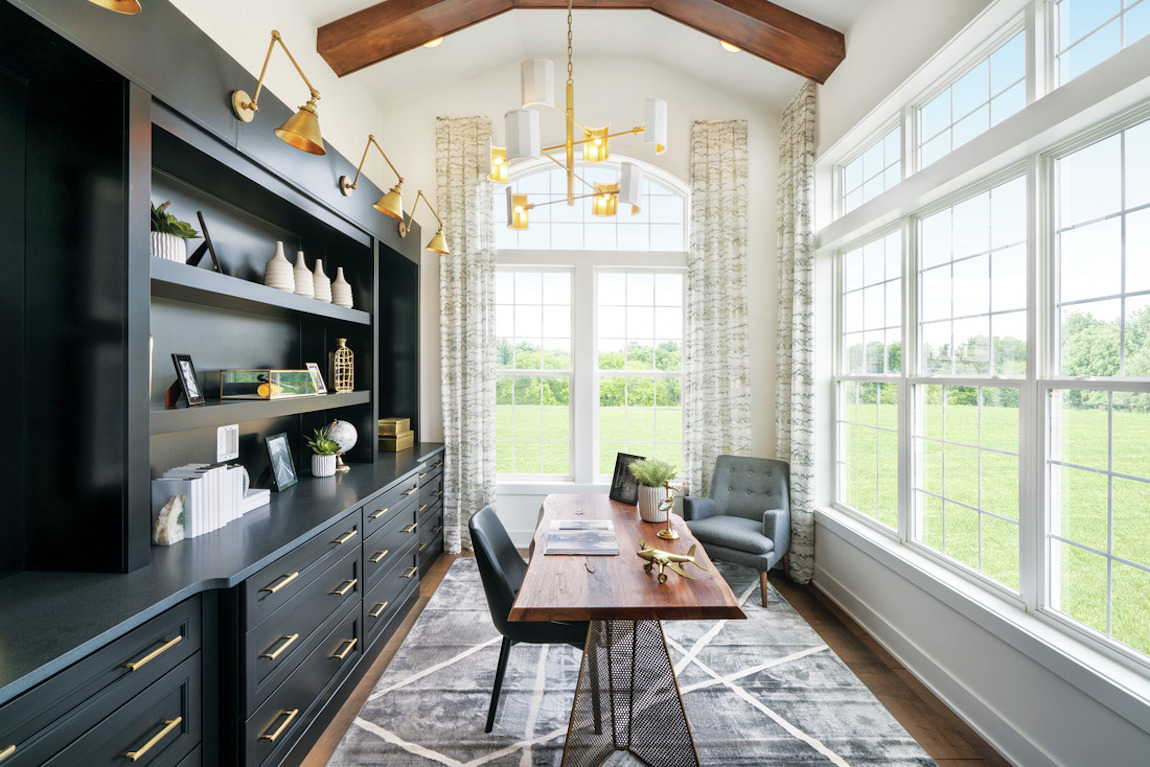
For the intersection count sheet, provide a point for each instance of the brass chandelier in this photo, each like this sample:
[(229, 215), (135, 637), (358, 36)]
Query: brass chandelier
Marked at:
[(523, 143)]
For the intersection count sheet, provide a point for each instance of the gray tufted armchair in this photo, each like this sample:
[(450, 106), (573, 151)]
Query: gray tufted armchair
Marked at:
[(746, 516)]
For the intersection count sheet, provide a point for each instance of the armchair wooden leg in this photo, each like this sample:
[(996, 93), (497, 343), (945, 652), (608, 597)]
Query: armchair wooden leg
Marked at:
[(504, 651), (763, 586)]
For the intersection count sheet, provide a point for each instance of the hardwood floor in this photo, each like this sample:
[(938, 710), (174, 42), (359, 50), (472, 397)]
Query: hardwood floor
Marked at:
[(946, 738)]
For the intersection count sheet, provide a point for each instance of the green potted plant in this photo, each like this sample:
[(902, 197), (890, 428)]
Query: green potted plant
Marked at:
[(324, 451), (653, 476), (169, 234)]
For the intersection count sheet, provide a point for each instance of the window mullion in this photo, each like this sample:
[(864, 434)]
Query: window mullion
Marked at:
[(584, 413)]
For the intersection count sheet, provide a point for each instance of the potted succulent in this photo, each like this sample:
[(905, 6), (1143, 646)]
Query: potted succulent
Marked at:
[(169, 234), (653, 476), (324, 451)]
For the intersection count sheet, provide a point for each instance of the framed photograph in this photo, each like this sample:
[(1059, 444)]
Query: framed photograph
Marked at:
[(316, 376), (205, 246), (282, 465), (186, 373), (624, 486)]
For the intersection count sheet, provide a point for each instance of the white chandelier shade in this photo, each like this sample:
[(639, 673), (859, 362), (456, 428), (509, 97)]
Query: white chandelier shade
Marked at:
[(631, 185), (522, 130), (655, 131), (537, 77)]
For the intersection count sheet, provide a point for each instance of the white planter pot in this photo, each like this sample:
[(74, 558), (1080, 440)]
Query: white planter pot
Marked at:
[(322, 465), (169, 247), (649, 498)]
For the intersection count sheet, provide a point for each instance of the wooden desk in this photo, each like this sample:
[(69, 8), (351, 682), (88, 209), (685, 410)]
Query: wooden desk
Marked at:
[(626, 654)]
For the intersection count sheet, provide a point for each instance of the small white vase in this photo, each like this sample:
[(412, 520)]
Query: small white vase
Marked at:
[(340, 290), (278, 272), (322, 283), (649, 498), (169, 247), (322, 465), (304, 282)]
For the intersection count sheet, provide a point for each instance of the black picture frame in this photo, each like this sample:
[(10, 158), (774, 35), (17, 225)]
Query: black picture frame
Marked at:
[(189, 382), (206, 245), (281, 462), (624, 485)]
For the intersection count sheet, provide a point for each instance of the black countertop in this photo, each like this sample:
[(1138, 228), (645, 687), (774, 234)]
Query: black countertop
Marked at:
[(50, 620)]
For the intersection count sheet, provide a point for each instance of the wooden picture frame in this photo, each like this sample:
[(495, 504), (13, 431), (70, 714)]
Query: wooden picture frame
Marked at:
[(624, 485), (317, 377), (189, 382), (281, 462)]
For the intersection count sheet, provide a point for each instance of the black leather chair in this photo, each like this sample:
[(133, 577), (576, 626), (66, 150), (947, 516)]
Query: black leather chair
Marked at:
[(502, 570)]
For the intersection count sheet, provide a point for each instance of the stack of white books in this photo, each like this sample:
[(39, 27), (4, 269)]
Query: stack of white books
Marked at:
[(213, 495)]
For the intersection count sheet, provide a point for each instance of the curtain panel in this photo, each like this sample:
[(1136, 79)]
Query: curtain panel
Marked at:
[(794, 387), (716, 387), (467, 322)]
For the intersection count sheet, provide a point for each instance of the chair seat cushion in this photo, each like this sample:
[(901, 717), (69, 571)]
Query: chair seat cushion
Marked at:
[(734, 533)]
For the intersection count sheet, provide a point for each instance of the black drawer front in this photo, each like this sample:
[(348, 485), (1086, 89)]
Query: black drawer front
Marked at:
[(278, 644), (115, 672), (273, 586), (382, 597), (428, 553), (287, 711), (383, 548), (158, 727), (392, 501)]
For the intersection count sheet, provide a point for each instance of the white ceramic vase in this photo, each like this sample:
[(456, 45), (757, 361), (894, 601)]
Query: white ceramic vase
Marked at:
[(304, 282), (649, 498), (169, 247), (278, 273), (322, 283), (322, 465), (340, 290)]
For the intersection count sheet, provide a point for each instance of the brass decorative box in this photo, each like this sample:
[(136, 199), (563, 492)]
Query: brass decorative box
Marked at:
[(393, 426), (395, 442), (266, 384)]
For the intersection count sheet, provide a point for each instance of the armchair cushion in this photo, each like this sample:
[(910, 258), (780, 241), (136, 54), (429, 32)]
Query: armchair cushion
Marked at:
[(734, 533)]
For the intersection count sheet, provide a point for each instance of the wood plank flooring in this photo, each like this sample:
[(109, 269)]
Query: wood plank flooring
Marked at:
[(946, 738)]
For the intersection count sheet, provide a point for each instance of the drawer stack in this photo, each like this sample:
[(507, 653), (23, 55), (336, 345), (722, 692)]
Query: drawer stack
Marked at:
[(136, 700), (430, 513), (390, 552), (301, 635)]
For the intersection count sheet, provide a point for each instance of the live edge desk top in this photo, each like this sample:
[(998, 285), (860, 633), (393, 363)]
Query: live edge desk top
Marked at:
[(575, 587)]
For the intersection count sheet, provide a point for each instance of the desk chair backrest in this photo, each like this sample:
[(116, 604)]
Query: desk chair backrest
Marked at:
[(500, 566), (746, 487)]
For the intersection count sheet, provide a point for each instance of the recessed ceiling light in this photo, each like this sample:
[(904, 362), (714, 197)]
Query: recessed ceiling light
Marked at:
[(728, 47), (433, 43)]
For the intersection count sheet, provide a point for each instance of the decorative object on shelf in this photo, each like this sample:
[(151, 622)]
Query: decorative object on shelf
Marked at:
[(304, 279), (390, 204), (316, 377), (393, 426), (187, 384), (321, 283), (666, 559), (653, 476), (302, 129), (325, 452), (126, 7), (266, 383), (624, 485), (393, 443), (343, 367), (278, 273), (346, 435), (438, 243), (169, 234), (341, 290), (205, 247), (523, 143), (169, 526), (282, 465), (665, 505)]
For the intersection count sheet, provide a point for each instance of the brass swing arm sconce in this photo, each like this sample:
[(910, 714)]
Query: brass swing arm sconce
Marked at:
[(390, 204), (301, 130), (438, 243)]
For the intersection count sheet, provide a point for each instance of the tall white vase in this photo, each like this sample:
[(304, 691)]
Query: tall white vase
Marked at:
[(304, 282), (340, 289), (278, 273), (321, 282), (649, 498)]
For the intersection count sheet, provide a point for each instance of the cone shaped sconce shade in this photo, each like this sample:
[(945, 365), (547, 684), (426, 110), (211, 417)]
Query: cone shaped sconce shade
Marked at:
[(438, 244), (537, 77), (656, 124), (302, 130), (522, 135), (126, 7), (391, 204)]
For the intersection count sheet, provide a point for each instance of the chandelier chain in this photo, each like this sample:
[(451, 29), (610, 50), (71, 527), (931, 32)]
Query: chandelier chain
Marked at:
[(570, 68)]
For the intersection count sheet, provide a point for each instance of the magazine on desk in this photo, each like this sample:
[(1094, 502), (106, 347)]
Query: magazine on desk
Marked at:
[(588, 537)]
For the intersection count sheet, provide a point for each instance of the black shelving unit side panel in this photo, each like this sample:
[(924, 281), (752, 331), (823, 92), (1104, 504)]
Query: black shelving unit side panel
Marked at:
[(397, 319)]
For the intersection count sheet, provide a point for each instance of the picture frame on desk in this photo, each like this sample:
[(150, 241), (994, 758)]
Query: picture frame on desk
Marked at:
[(624, 484), (280, 460)]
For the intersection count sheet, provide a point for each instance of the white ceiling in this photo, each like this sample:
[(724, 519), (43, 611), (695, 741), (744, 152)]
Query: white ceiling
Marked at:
[(507, 39)]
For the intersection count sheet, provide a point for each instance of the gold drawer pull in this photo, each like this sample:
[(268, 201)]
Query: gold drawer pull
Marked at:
[(437, 493), (348, 586), (423, 546), (378, 611), (410, 528), (437, 529), (410, 572), (7, 752), (289, 641), (286, 580), (146, 659), (422, 508), (412, 490), (346, 537), (378, 556), (346, 650), (436, 466), (290, 716), (379, 513), (135, 756), (424, 474)]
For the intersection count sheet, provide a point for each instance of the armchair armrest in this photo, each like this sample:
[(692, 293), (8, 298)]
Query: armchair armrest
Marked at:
[(777, 527), (699, 507)]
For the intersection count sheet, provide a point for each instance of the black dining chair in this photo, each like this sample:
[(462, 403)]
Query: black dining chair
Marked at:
[(502, 570)]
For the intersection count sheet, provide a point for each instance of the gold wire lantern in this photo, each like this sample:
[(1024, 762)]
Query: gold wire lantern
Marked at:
[(343, 367)]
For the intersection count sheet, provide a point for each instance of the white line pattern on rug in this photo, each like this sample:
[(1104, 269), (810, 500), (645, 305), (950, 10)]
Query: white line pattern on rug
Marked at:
[(536, 702), (432, 669)]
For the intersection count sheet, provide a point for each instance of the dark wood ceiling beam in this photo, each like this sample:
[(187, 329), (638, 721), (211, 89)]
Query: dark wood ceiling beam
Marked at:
[(759, 27)]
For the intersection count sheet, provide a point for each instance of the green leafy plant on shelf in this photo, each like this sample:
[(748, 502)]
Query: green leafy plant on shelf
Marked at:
[(166, 223), (653, 473), (322, 445)]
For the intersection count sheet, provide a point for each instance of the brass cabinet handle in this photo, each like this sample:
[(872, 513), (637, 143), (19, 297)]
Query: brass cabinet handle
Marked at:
[(410, 528), (346, 650), (424, 474), (423, 546), (378, 513), (136, 664), (437, 493), (423, 507), (135, 756), (378, 556), (7, 752), (410, 572), (346, 537), (347, 586), (412, 490), (289, 641), (375, 613), (437, 529), (436, 466), (280, 731), (286, 580)]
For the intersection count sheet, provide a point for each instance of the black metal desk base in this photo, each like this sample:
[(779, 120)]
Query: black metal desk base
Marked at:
[(638, 707)]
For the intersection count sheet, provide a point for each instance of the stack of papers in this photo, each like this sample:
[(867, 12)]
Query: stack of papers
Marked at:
[(589, 537)]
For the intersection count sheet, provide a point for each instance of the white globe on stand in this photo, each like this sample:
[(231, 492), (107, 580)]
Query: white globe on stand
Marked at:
[(345, 435)]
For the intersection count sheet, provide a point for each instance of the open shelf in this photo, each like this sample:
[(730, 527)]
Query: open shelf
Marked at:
[(238, 411), (180, 282)]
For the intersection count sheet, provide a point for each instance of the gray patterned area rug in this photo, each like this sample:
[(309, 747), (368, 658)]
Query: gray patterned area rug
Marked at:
[(764, 691)]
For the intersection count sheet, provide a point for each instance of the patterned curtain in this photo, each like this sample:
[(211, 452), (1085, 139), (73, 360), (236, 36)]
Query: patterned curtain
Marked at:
[(467, 322), (716, 391), (794, 388)]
